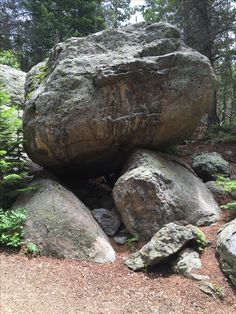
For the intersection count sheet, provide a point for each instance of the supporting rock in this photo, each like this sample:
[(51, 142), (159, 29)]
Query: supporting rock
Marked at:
[(156, 189), (60, 225)]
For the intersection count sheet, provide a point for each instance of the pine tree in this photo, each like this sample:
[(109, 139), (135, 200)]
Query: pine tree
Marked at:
[(117, 12)]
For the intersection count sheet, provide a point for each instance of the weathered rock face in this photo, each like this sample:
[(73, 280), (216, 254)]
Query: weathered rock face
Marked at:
[(226, 249), (60, 225), (208, 165), (156, 189), (166, 242), (13, 82), (187, 262), (98, 97)]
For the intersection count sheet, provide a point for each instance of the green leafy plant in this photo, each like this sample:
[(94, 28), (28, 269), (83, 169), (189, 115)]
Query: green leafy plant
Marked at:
[(219, 291), (11, 226), (201, 240), (132, 242), (228, 184), (8, 57), (32, 249), (12, 164), (230, 187), (229, 206)]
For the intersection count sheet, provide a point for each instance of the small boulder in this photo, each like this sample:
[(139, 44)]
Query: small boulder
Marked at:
[(166, 242), (109, 220), (208, 165), (226, 249), (188, 261), (156, 189), (60, 225), (13, 81)]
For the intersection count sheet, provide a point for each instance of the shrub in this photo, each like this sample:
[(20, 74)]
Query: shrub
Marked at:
[(32, 249), (7, 57), (11, 226)]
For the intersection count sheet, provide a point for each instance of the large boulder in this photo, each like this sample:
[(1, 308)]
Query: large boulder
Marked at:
[(60, 225), (98, 97), (226, 249), (164, 244), (156, 189), (13, 81)]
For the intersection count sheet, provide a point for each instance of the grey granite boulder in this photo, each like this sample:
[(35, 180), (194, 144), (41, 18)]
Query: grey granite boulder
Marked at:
[(208, 165), (60, 225), (98, 97), (226, 249), (109, 220), (166, 242), (13, 81), (156, 189)]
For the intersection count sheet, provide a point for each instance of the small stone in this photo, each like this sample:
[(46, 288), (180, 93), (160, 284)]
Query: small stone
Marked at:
[(109, 220), (120, 240), (187, 260)]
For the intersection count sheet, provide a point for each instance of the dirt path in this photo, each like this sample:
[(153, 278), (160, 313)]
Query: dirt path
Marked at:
[(49, 286), (45, 285)]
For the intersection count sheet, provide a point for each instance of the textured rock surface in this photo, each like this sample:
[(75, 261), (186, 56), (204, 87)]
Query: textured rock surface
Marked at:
[(60, 225), (98, 97), (166, 242), (226, 249), (13, 81), (188, 261), (208, 165), (109, 220), (156, 189)]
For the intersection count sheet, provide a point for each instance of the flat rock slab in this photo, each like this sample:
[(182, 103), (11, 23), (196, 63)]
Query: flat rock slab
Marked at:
[(156, 189), (61, 226), (98, 97), (166, 242)]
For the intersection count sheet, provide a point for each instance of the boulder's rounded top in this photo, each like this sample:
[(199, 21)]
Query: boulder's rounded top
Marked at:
[(98, 97)]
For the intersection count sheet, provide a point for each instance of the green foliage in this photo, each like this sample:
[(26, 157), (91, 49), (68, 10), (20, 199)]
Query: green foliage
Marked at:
[(229, 206), (201, 240), (230, 187), (11, 226), (32, 249), (219, 291), (11, 154), (132, 242), (8, 57), (228, 184), (116, 12)]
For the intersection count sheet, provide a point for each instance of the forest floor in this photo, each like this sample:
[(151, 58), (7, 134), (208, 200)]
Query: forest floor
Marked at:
[(46, 285)]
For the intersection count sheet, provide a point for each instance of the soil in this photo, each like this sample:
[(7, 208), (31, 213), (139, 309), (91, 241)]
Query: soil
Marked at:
[(52, 286)]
